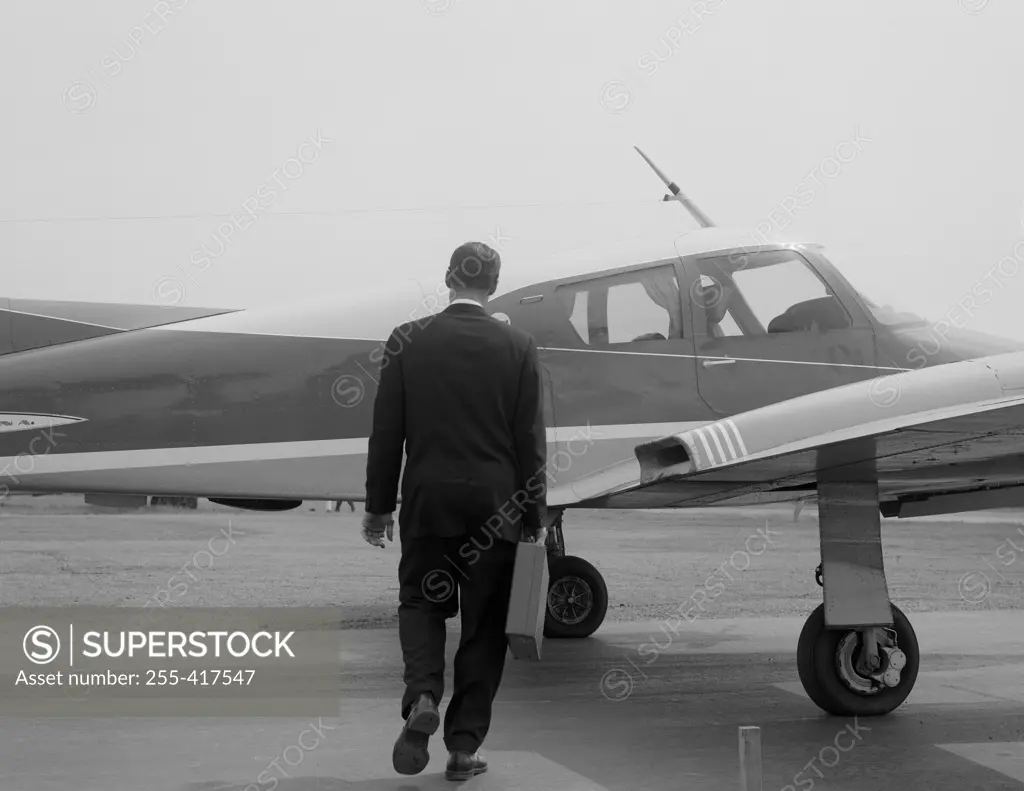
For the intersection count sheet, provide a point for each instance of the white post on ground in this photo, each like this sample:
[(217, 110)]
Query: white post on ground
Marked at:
[(750, 758)]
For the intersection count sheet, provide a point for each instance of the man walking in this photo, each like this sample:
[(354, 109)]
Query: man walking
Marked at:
[(462, 393)]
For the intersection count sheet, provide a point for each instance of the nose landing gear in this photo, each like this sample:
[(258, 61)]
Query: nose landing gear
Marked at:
[(850, 672)]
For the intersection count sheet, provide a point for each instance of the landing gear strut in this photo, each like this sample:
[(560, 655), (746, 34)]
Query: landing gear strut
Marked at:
[(857, 654), (577, 594)]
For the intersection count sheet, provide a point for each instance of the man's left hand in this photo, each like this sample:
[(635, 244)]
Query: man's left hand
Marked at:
[(376, 526)]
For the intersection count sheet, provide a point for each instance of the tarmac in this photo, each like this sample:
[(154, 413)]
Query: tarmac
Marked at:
[(649, 702), (637, 707)]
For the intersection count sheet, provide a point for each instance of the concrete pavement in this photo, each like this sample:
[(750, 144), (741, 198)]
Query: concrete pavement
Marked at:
[(636, 707)]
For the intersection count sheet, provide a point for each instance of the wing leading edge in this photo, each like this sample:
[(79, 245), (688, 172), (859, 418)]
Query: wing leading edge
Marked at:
[(951, 428)]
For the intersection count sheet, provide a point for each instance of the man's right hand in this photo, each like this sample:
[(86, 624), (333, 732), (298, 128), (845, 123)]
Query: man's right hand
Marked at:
[(375, 526)]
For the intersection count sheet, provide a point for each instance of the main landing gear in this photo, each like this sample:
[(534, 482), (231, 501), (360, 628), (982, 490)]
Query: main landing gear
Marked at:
[(577, 594), (857, 654)]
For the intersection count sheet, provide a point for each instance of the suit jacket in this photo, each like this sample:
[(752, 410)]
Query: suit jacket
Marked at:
[(462, 393)]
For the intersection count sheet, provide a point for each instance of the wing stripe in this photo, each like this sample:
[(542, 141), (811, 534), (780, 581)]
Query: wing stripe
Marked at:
[(711, 456), (714, 436), (687, 437), (739, 438), (728, 441)]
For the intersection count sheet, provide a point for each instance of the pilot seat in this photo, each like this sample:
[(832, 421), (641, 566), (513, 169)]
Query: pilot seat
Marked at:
[(823, 313)]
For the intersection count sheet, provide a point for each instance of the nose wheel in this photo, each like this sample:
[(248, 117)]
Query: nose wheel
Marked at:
[(858, 672)]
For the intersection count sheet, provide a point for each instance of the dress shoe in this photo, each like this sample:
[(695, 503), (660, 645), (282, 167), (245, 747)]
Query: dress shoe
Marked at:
[(410, 756), (462, 765)]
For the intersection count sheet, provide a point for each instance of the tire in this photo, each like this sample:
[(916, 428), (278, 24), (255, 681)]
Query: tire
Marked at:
[(574, 576), (817, 665)]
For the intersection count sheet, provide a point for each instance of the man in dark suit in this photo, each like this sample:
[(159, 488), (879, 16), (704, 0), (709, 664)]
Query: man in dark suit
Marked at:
[(462, 393)]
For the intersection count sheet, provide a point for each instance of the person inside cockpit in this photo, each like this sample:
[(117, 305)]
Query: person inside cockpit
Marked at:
[(715, 298)]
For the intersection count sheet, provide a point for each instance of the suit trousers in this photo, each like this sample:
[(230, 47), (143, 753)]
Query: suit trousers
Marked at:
[(437, 576)]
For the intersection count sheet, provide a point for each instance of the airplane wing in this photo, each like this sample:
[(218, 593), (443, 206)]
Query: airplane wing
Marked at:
[(948, 438)]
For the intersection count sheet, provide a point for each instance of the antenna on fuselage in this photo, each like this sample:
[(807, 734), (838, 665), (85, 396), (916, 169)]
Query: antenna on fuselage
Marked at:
[(677, 194)]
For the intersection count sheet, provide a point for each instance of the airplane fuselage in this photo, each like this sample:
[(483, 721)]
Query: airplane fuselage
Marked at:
[(253, 404)]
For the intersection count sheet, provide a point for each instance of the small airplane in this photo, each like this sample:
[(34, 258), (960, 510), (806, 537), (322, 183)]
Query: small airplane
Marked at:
[(726, 371)]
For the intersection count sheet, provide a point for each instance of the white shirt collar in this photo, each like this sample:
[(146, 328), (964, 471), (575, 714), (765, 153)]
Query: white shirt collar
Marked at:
[(464, 301)]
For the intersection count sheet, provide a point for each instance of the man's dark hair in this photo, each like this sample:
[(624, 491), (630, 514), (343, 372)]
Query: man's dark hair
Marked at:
[(475, 266)]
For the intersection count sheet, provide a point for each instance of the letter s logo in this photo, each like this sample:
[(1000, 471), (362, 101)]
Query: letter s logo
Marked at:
[(438, 586), (41, 645)]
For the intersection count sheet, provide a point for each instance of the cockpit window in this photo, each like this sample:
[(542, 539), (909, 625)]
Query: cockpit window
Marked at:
[(772, 290)]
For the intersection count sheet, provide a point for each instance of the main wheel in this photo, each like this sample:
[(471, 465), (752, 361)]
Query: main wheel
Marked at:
[(827, 660), (577, 598)]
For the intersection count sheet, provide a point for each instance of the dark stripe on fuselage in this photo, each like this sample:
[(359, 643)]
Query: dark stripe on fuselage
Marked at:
[(168, 388), (172, 388), (153, 389)]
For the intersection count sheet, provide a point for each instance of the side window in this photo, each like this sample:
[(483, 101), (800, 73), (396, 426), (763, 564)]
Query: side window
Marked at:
[(767, 293), (578, 314), (634, 314), (634, 307)]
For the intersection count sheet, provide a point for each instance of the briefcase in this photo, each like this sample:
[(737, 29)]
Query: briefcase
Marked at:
[(529, 601)]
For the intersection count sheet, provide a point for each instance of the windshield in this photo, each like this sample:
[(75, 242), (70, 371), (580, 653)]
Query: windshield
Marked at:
[(884, 314)]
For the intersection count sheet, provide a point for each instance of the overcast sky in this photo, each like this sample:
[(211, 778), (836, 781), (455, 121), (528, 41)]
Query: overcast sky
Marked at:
[(893, 134)]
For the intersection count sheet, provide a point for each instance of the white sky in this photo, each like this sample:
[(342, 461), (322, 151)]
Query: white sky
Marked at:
[(434, 115)]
